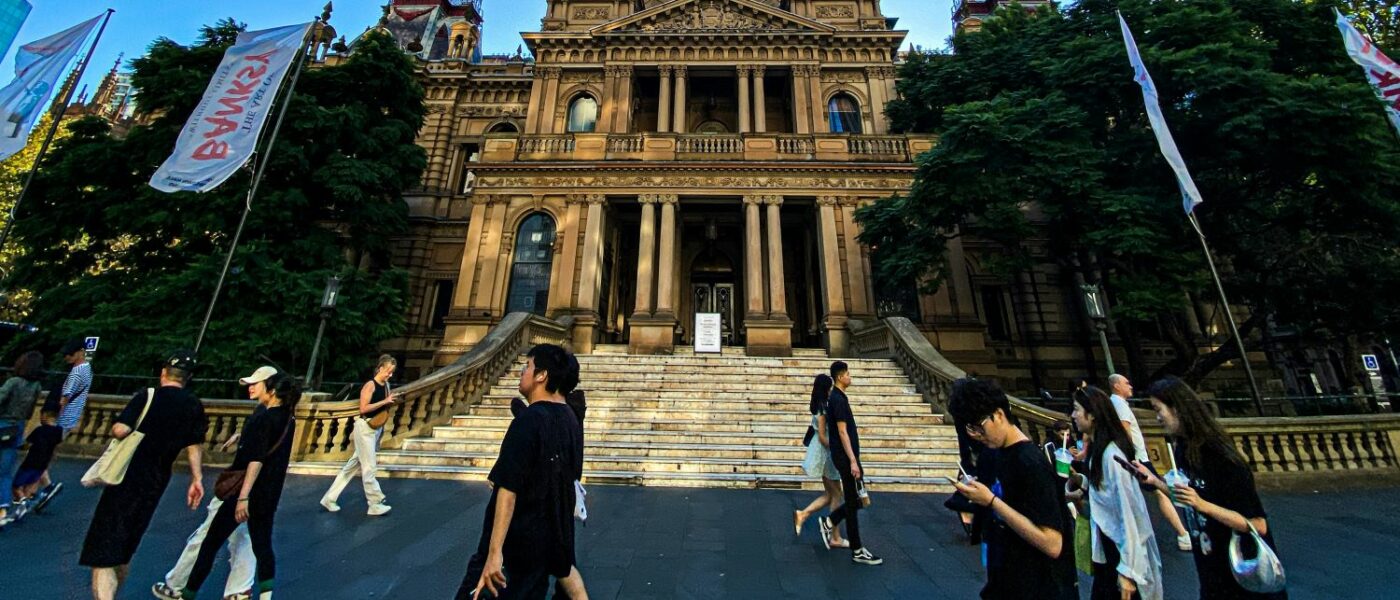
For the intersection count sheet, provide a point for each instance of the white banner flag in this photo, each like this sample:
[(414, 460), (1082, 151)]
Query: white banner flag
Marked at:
[(222, 131), (1190, 196), (1382, 72), (38, 66)]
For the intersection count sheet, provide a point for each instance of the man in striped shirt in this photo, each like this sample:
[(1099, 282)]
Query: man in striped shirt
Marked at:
[(75, 389)]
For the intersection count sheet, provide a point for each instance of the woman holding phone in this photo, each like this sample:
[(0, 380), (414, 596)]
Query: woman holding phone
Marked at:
[(818, 463), (1126, 565), (375, 400), (1220, 498)]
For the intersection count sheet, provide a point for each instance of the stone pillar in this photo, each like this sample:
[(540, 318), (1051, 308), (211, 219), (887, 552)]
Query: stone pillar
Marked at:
[(466, 274), (607, 105), (566, 250), (663, 117), (622, 119), (801, 117), (678, 114), (855, 261), (497, 242), (744, 72), (777, 288), (532, 114), (814, 83), (875, 83), (551, 99), (646, 257), (753, 257), (666, 258), (760, 106), (833, 296), (590, 274)]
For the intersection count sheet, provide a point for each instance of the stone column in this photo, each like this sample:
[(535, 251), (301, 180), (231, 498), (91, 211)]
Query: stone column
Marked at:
[(466, 274), (753, 257), (566, 250), (744, 71), (678, 114), (760, 106), (855, 261), (622, 118), (875, 83), (590, 274), (814, 83), (666, 258), (663, 117), (532, 114), (801, 119), (777, 289), (550, 100), (829, 250), (497, 241), (646, 256), (607, 105)]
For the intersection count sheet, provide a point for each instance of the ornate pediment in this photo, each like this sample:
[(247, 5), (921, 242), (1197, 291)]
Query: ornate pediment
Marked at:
[(711, 16)]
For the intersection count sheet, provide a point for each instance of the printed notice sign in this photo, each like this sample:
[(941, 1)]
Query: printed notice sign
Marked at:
[(707, 332)]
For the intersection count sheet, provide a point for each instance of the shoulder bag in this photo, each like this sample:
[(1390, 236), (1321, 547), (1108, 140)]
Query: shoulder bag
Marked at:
[(110, 468), (230, 481), (378, 421), (1262, 574)]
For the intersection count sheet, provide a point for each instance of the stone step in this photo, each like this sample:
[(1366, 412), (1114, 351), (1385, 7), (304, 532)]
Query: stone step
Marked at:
[(943, 437), (704, 414), (812, 365), (792, 452), (884, 404), (746, 375), (876, 483), (643, 464), (701, 385), (690, 426)]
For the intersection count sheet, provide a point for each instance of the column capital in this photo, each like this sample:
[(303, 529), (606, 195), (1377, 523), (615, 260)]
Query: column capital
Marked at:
[(647, 198), (595, 199), (679, 70), (743, 70), (483, 199), (617, 70), (807, 70), (667, 199), (507, 239), (549, 72), (773, 200), (827, 200), (665, 69), (757, 70), (753, 200)]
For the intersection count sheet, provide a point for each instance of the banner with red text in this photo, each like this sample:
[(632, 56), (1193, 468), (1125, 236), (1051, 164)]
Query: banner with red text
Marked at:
[(223, 130), (1382, 72)]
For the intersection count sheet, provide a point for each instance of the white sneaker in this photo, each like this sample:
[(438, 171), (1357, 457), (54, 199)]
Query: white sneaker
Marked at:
[(1183, 543), (379, 509), (826, 526), (162, 590), (329, 505)]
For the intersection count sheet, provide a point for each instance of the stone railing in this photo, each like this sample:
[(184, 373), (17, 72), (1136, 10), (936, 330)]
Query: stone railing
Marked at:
[(710, 144), (1274, 446), (799, 144), (827, 147), (626, 143), (893, 146), (323, 428), (546, 144)]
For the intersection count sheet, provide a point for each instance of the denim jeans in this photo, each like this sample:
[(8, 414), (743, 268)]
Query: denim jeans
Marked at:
[(9, 461)]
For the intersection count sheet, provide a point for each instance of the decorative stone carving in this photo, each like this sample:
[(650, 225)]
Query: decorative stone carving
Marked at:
[(778, 200), (836, 11), (758, 70), (743, 70), (490, 111), (843, 77), (807, 70), (595, 199), (592, 13), (712, 181), (711, 15), (827, 200), (618, 71), (679, 70), (665, 69), (583, 77), (549, 72), (667, 199)]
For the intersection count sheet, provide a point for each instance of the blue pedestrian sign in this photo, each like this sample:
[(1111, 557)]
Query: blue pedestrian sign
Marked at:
[(1370, 362), (90, 344)]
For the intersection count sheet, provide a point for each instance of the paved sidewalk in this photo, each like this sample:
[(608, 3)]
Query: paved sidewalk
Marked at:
[(659, 543)]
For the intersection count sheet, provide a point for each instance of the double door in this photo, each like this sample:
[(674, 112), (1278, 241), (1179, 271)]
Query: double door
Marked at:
[(708, 297)]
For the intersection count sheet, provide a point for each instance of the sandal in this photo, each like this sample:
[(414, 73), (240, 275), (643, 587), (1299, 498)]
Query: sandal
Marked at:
[(797, 521), (845, 544)]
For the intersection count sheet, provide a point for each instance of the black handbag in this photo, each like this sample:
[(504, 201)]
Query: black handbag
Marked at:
[(807, 439)]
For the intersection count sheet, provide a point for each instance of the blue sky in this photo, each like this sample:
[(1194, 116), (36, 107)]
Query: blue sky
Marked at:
[(139, 22)]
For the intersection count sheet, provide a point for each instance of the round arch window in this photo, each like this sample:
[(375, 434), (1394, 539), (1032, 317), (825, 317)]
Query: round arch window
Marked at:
[(529, 272), (583, 115), (843, 114)]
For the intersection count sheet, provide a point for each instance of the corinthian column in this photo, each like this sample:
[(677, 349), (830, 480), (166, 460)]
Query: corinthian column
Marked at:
[(743, 71), (753, 258), (760, 109), (777, 290), (666, 259), (663, 118), (678, 114), (646, 257)]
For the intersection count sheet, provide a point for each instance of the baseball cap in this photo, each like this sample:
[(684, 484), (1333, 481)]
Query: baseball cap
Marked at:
[(71, 346), (261, 374), (182, 359)]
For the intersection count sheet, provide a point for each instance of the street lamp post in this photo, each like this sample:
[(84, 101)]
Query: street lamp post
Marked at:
[(328, 300), (1093, 304)]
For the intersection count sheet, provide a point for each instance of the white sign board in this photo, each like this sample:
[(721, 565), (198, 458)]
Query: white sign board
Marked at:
[(90, 344), (1369, 361), (708, 330)]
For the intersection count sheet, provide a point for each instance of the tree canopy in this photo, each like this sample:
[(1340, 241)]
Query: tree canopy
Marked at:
[(1042, 129), (105, 254)]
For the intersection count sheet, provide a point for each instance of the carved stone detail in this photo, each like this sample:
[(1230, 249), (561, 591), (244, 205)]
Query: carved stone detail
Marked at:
[(549, 72), (592, 13), (618, 71), (843, 77), (712, 15), (583, 77), (836, 11), (707, 181)]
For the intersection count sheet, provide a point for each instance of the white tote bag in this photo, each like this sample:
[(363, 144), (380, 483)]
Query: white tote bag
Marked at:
[(110, 468)]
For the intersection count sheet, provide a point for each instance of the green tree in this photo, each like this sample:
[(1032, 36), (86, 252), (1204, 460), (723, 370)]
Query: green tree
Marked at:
[(105, 254), (13, 171), (1379, 19), (1043, 129)]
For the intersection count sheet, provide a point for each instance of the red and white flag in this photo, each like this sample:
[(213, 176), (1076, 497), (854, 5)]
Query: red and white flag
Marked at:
[(223, 130), (1382, 72)]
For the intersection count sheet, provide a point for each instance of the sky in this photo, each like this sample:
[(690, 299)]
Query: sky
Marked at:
[(137, 23)]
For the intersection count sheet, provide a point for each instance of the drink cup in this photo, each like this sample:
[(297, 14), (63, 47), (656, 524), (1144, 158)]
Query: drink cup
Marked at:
[(1174, 478), (1062, 461)]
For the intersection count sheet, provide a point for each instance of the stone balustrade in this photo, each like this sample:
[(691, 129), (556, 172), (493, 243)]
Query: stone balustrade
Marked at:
[(1275, 447), (323, 428), (673, 146)]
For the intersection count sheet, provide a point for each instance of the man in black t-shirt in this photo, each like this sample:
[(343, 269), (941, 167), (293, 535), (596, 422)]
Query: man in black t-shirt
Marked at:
[(528, 532), (845, 456), (1028, 539)]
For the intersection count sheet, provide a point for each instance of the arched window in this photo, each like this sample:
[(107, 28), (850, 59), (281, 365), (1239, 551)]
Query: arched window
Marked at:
[(529, 273), (843, 114), (503, 127), (583, 115)]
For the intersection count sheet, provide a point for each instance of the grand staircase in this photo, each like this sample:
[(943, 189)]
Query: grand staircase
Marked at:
[(707, 420)]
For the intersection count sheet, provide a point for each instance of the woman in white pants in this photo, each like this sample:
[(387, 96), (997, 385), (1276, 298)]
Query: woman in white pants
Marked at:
[(374, 399)]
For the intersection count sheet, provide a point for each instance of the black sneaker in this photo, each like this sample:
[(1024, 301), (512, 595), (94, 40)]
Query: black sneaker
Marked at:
[(46, 495), (864, 557), (825, 524)]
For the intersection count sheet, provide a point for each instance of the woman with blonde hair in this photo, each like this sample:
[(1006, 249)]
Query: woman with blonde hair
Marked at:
[(375, 400)]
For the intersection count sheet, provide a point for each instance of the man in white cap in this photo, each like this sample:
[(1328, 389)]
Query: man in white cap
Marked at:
[(242, 565)]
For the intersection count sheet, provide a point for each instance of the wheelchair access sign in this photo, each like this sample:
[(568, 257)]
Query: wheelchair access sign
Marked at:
[(90, 344), (1369, 361)]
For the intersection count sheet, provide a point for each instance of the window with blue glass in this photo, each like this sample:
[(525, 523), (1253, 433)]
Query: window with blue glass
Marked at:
[(843, 114), (529, 273)]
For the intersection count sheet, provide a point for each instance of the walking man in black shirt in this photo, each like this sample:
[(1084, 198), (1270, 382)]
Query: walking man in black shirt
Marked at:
[(1028, 541), (528, 533), (845, 454)]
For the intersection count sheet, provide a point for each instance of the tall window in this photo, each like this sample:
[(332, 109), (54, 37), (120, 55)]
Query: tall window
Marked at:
[(843, 114), (583, 115), (529, 274), (995, 314), (442, 303)]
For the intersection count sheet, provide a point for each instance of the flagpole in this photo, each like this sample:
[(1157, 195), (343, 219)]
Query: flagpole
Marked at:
[(53, 130), (1229, 316), (257, 181)]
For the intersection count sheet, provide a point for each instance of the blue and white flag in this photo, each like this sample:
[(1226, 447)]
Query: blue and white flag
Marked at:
[(1382, 72), (38, 66), (1190, 196), (223, 129)]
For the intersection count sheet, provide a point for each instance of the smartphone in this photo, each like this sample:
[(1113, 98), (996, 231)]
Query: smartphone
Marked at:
[(1129, 466)]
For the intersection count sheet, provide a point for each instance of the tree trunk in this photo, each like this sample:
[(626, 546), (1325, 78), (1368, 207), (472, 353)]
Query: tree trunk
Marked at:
[(1227, 351)]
